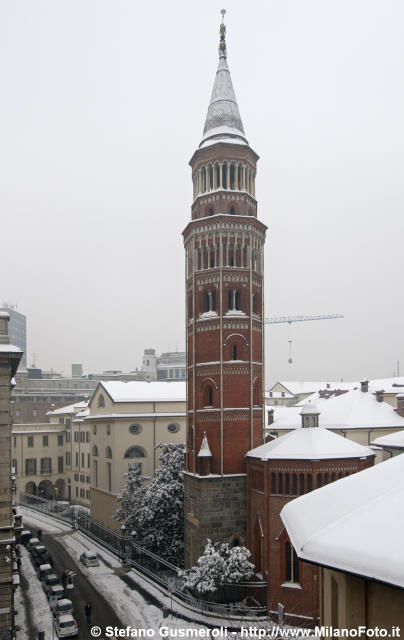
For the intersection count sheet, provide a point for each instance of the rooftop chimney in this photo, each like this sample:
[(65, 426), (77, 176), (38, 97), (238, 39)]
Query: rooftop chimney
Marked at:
[(400, 404), (365, 386), (380, 395)]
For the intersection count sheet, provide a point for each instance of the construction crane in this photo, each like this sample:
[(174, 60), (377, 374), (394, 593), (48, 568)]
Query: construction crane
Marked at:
[(290, 319)]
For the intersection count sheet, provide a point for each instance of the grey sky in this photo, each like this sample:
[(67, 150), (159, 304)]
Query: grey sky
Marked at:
[(103, 103)]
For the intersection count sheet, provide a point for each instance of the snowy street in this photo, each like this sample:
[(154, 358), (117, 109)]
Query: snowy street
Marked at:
[(114, 603)]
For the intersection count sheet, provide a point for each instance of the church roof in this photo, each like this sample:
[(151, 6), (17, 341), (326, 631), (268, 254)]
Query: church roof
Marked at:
[(312, 443), (223, 122), (354, 524)]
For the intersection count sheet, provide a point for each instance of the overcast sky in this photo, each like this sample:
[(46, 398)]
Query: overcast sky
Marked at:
[(103, 103)]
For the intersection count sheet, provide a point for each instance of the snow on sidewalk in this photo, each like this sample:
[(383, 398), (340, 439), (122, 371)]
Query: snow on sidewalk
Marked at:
[(38, 601), (130, 606)]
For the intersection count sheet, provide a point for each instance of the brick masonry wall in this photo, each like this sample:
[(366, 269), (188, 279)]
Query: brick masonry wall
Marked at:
[(214, 508)]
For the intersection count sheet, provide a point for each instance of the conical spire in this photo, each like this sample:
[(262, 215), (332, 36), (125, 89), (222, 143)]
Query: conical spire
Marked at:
[(223, 121)]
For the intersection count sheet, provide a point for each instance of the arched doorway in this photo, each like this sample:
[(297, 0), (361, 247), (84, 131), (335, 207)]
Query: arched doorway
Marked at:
[(45, 490), (30, 487)]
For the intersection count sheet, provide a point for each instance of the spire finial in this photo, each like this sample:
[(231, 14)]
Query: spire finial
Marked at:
[(222, 45)]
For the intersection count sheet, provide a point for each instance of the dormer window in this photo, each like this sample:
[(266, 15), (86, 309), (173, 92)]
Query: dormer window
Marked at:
[(101, 401)]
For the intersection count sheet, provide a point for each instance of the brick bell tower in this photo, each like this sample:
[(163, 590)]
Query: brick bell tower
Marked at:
[(224, 245)]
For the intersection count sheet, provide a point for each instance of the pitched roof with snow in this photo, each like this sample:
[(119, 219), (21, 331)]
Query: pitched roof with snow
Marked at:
[(140, 391), (71, 408), (313, 443), (344, 524), (352, 410), (393, 440)]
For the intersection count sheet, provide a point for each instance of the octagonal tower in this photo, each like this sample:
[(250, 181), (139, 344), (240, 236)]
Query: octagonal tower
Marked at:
[(224, 244)]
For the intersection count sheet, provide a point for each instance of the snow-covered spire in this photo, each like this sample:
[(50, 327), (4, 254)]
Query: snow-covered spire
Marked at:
[(204, 451), (223, 121)]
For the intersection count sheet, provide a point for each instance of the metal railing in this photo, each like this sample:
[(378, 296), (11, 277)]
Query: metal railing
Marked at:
[(147, 563)]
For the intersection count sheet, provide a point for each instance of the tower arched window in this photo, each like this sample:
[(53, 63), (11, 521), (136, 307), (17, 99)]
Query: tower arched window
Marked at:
[(309, 482), (294, 484), (280, 483), (233, 209), (209, 301), (287, 484), (273, 482), (301, 483), (224, 175), (210, 177), (234, 352), (208, 396), (232, 176), (291, 564)]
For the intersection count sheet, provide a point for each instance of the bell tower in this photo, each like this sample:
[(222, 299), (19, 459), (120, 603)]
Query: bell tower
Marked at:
[(224, 244)]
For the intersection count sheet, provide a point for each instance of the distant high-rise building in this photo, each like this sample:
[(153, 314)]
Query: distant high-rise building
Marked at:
[(17, 331)]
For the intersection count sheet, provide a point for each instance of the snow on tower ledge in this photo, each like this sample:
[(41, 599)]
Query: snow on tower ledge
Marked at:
[(344, 525)]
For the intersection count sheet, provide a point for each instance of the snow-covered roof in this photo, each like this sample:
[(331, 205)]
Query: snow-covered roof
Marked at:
[(9, 348), (344, 524), (204, 451), (114, 416), (312, 443), (140, 391), (71, 408), (393, 440), (389, 385), (354, 409)]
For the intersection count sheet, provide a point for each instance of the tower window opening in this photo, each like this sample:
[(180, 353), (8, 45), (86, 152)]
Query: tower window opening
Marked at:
[(294, 484), (210, 211), (309, 483), (273, 482), (212, 258), (232, 210), (232, 172), (234, 352), (218, 175), (210, 178), (301, 483), (208, 396), (280, 482), (237, 300), (287, 484), (224, 175)]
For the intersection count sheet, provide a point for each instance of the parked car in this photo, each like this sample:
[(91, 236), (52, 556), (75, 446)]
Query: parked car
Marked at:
[(56, 590), (25, 536), (90, 559), (63, 607), (59, 506), (66, 626), (44, 557), (49, 581), (36, 553), (33, 542), (44, 570)]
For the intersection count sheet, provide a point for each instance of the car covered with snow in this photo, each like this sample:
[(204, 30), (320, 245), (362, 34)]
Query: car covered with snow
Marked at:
[(44, 570), (90, 559), (25, 536), (64, 607), (36, 553), (49, 581), (66, 626), (56, 590), (32, 543)]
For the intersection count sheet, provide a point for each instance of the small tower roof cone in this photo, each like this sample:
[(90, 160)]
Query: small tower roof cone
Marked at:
[(223, 121), (204, 451)]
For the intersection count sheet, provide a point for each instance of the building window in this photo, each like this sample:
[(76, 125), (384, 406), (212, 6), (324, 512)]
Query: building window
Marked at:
[(14, 466), (108, 429), (291, 564), (273, 482), (135, 452), (60, 464), (82, 459), (173, 428), (77, 492), (61, 420), (109, 476), (95, 429), (76, 477), (77, 459), (234, 352), (280, 483), (88, 460), (101, 401), (68, 458), (135, 429), (95, 451), (67, 437), (60, 441), (17, 413), (30, 441), (208, 396), (46, 465), (30, 466), (68, 422), (87, 436), (15, 441), (88, 495), (294, 484), (35, 412), (108, 452), (95, 465)]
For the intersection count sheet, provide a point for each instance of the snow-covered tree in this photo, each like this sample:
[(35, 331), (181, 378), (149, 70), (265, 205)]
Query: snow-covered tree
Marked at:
[(161, 516), (219, 565), (155, 510), (131, 496)]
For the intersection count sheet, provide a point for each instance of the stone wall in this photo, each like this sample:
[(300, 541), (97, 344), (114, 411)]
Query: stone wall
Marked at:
[(215, 508)]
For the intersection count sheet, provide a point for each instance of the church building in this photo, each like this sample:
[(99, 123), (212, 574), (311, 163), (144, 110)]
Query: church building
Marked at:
[(224, 244)]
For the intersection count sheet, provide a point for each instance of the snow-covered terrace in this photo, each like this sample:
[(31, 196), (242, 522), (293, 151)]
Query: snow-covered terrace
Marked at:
[(344, 525)]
